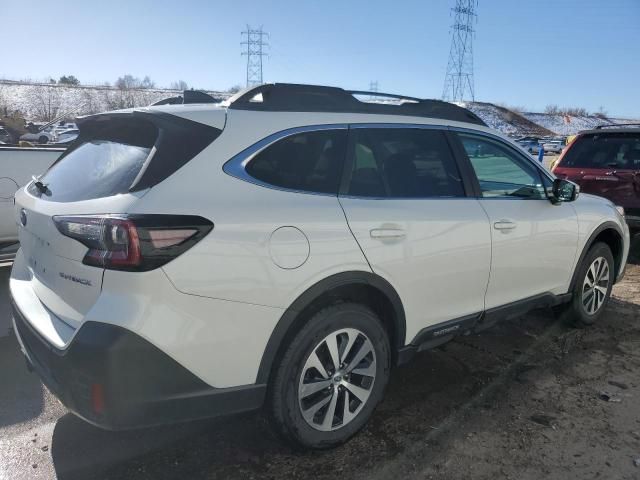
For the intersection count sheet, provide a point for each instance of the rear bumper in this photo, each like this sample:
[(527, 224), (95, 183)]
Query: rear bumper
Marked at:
[(116, 380)]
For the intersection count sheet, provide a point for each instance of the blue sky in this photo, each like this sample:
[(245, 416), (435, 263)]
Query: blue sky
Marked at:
[(527, 53)]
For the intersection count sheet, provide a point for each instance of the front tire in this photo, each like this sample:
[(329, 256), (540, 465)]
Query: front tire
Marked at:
[(592, 289), (331, 377), (43, 139)]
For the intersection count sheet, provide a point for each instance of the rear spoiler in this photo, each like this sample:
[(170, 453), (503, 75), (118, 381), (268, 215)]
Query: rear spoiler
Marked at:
[(189, 96)]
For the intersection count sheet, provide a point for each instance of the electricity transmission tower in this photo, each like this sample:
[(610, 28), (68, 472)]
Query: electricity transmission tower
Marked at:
[(373, 87), (458, 82), (255, 51)]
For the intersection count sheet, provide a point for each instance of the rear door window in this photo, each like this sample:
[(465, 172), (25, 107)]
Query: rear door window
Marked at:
[(403, 163), (103, 165), (308, 162), (606, 151)]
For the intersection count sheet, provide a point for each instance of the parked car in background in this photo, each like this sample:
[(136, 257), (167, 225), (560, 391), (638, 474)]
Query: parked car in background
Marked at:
[(527, 139), (287, 251), (554, 146), (5, 137), (67, 136), (606, 162), (63, 127), (35, 135), (530, 146)]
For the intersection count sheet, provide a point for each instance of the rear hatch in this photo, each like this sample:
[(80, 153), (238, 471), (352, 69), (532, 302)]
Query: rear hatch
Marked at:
[(605, 164), (114, 161)]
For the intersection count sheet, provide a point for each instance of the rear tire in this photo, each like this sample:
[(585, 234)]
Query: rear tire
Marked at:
[(43, 139), (592, 289), (342, 355)]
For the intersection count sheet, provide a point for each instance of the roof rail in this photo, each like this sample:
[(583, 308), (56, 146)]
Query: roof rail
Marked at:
[(290, 97), (617, 125), (189, 96)]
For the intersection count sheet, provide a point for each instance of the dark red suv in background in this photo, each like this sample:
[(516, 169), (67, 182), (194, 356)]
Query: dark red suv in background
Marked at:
[(606, 162)]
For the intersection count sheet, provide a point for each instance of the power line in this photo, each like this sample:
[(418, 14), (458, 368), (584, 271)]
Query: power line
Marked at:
[(458, 81), (255, 51)]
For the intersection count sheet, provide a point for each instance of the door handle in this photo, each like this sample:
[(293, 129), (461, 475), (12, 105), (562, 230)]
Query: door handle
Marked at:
[(504, 225), (387, 233)]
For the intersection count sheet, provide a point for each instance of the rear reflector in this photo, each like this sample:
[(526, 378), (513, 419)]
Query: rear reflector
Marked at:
[(97, 398), (133, 242)]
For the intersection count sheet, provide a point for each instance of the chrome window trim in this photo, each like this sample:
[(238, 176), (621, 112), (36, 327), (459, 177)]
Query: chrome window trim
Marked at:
[(236, 165), (423, 126)]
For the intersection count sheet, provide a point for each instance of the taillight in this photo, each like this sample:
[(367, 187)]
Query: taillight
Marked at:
[(133, 242)]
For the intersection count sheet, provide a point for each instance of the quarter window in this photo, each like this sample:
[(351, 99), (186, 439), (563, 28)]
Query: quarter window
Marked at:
[(403, 163), (500, 171), (309, 161)]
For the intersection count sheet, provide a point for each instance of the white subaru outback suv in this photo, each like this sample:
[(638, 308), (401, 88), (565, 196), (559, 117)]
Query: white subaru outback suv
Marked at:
[(287, 249)]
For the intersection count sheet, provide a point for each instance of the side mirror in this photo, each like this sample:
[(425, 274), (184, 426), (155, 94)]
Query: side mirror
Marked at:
[(564, 191)]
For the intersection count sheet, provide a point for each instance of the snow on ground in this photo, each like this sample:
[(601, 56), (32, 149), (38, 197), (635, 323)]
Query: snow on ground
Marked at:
[(565, 124), (570, 125), (505, 120), (36, 101), (492, 117)]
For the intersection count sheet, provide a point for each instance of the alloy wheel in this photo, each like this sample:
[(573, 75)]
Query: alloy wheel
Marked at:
[(595, 285), (337, 379)]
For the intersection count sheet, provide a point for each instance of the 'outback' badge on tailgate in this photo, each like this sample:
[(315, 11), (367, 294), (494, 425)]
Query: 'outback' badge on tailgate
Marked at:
[(73, 278)]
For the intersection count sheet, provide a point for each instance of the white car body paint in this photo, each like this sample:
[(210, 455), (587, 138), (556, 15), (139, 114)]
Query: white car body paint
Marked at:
[(222, 299)]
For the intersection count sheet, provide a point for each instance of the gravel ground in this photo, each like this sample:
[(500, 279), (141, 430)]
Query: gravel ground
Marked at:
[(522, 400)]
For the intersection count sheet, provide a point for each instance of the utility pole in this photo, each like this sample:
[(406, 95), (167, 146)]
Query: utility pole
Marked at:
[(458, 82), (255, 51)]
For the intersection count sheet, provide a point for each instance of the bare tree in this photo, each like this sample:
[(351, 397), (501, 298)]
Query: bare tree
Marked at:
[(91, 104), (4, 103), (552, 109), (575, 111), (147, 83), (69, 80), (127, 82), (601, 113), (179, 85), (44, 102)]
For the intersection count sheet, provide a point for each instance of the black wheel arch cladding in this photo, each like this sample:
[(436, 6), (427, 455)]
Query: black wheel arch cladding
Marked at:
[(595, 237), (292, 318)]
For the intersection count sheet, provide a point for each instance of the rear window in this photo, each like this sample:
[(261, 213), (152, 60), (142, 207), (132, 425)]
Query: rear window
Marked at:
[(105, 164), (119, 153), (309, 162), (608, 150)]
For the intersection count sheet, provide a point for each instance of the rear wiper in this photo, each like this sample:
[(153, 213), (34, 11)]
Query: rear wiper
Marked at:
[(42, 187)]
